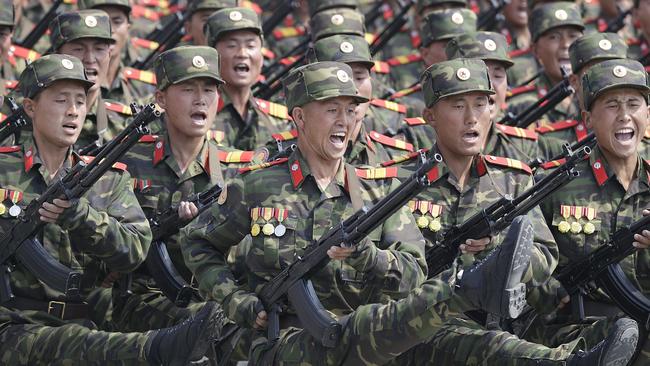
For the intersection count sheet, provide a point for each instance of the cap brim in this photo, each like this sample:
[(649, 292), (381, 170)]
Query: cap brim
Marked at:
[(333, 93), (199, 75), (489, 92), (86, 83), (643, 89), (577, 25), (508, 63)]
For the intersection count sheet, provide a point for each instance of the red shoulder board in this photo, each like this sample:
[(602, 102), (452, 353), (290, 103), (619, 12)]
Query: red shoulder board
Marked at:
[(9, 149), (2, 117), (286, 135), (552, 164), (403, 60), (11, 84), (415, 121), (389, 141), (286, 32), (517, 53), (517, 132), (288, 61), (262, 166), (370, 38), (268, 53), (274, 109), (557, 126), (521, 90), (24, 53), (144, 43), (155, 3), (139, 11), (647, 69), (633, 41), (235, 156), (118, 165), (118, 107), (402, 158), (148, 138), (215, 135), (381, 67), (407, 91), (377, 173), (251, 5), (392, 106), (141, 75), (507, 162)]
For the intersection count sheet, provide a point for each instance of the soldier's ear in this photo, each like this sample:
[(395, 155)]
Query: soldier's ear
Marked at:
[(28, 106), (573, 80), (160, 99), (298, 115), (429, 116), (586, 116)]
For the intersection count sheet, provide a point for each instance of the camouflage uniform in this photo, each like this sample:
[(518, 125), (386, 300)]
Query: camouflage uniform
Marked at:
[(105, 228), (214, 5), (13, 63)]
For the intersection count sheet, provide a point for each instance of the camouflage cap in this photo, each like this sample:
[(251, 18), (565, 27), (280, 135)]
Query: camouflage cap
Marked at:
[(214, 5), (484, 45), (613, 74), (231, 19), (186, 62), (423, 4), (440, 25), (337, 21), (90, 23), (344, 48), (41, 73), (319, 81), (93, 4), (319, 5), (596, 47), (7, 13), (455, 77), (552, 15)]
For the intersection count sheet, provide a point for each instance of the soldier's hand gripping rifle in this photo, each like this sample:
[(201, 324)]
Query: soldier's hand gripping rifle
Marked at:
[(488, 20), (158, 262), (14, 121), (536, 110), (499, 215), (41, 27), (19, 243), (293, 281)]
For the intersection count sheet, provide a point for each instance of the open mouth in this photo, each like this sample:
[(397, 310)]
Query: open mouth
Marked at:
[(70, 127), (92, 74), (199, 117), (242, 69), (471, 136), (624, 134), (338, 139)]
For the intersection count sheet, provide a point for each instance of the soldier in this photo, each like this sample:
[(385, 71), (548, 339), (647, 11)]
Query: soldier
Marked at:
[(198, 13), (515, 27), (287, 36), (639, 45), (609, 11), (609, 195), (247, 122), (502, 140), (12, 58), (103, 228), (554, 26)]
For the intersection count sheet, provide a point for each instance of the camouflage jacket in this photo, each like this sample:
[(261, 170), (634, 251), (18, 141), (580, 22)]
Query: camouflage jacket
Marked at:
[(525, 67), (413, 99), (553, 136), (263, 120), (584, 213), (405, 70), (416, 131), (106, 227), (131, 85), (285, 211), (384, 116)]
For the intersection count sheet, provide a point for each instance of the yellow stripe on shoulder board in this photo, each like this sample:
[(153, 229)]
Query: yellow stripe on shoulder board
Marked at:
[(274, 109), (370, 37), (118, 107), (377, 173), (215, 135), (511, 163), (235, 156)]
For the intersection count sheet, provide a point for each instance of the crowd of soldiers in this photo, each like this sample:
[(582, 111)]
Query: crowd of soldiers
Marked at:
[(303, 114)]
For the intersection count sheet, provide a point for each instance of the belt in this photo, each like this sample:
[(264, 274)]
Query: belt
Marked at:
[(60, 309)]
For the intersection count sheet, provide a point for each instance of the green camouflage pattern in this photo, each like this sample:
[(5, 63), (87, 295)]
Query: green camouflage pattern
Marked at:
[(316, 6), (230, 19), (336, 21), (89, 23), (519, 148), (344, 48), (613, 74), (41, 73), (319, 81), (524, 69), (442, 25), (93, 4), (7, 13), (187, 62), (129, 90), (596, 47), (215, 5), (484, 45), (455, 77), (391, 262), (552, 15), (421, 5)]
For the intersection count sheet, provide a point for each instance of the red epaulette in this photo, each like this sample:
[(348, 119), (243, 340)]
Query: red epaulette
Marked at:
[(262, 166), (251, 5), (9, 149), (141, 75), (402, 158), (139, 11), (163, 4), (118, 165), (148, 138), (633, 41), (186, 38), (552, 164), (381, 67), (235, 156), (507, 162), (647, 69), (286, 135), (415, 121), (11, 84), (407, 91), (118, 107), (376, 173), (144, 43), (286, 32), (215, 135), (517, 53), (2, 117), (268, 53), (389, 141), (273, 109), (24, 53), (370, 38), (517, 132), (521, 90), (556, 126), (288, 61), (392, 106), (403, 60)]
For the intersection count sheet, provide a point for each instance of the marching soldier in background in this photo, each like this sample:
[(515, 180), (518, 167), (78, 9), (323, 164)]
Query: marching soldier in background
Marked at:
[(198, 13), (515, 25), (105, 227), (639, 46), (13, 59)]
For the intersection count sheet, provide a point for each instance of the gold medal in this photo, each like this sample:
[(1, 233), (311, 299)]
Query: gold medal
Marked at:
[(268, 229), (255, 230), (589, 228), (422, 222), (435, 225), (563, 227), (3, 209), (576, 228)]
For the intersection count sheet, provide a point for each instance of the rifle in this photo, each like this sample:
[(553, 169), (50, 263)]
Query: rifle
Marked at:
[(589, 140), (267, 89), (536, 110), (20, 240), (169, 38), (164, 27), (282, 11), (391, 29), (41, 27), (488, 19), (158, 262), (15, 121), (499, 215), (293, 280)]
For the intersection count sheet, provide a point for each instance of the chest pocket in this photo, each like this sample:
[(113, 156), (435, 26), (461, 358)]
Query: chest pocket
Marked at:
[(576, 237), (150, 197), (274, 244), (350, 276)]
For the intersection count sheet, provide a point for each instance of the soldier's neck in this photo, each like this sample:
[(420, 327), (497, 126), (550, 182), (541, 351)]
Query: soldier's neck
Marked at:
[(624, 168), (322, 169), (459, 165), (184, 148), (91, 98), (53, 156), (113, 67), (239, 98)]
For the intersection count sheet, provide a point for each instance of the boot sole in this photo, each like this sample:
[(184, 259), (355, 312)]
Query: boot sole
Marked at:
[(621, 349), (514, 295)]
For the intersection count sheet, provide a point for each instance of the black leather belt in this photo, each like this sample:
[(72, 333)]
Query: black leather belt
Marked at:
[(60, 309)]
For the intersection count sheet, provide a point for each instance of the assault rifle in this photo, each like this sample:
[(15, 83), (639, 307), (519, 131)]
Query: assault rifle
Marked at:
[(20, 241), (589, 140), (487, 20), (293, 280), (499, 215), (536, 110), (392, 28), (41, 27), (282, 11), (158, 262), (15, 121), (168, 39)]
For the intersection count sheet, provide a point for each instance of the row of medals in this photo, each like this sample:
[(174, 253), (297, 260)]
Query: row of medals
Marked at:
[(268, 229), (575, 227), (431, 223), (14, 210)]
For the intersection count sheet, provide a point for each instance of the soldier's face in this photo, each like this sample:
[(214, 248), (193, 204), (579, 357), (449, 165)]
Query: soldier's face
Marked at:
[(325, 127), (642, 16), (5, 41), (241, 58), (619, 119), (434, 53), (58, 113), (190, 107), (93, 53), (363, 82), (461, 122), (516, 13), (552, 50), (499, 80), (119, 27), (194, 26)]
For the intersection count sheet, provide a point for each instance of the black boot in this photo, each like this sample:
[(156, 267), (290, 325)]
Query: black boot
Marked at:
[(615, 350), (494, 284), (187, 341)]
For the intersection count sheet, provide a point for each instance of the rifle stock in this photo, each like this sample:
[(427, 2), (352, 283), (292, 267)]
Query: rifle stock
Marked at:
[(14, 122)]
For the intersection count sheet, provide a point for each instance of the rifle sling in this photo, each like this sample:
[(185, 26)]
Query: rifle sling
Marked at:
[(354, 187), (59, 309)]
